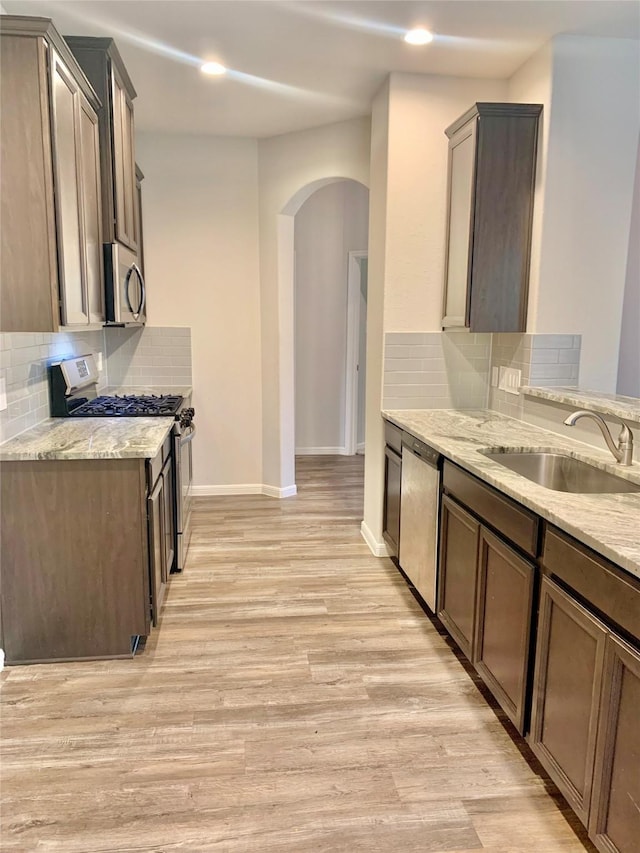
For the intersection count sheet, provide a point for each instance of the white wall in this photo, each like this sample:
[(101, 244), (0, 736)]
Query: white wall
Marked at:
[(289, 167), (531, 84), (330, 224), (591, 158), (200, 208), (629, 362), (420, 108), (374, 432), (407, 232)]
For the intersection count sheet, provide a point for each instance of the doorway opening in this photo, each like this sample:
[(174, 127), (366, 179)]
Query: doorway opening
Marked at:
[(329, 308)]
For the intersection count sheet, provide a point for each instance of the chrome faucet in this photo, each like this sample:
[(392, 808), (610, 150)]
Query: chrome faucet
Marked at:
[(623, 451)]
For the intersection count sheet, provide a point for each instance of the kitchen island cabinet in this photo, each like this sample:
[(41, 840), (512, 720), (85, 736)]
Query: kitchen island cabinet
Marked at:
[(51, 256)]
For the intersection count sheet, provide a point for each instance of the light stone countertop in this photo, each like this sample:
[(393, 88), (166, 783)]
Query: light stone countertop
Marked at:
[(89, 438), (593, 401), (96, 438), (608, 523)]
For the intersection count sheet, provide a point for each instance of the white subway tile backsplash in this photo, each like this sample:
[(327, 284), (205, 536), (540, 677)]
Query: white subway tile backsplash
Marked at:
[(554, 341), (543, 360), (436, 370), (24, 359), (150, 356)]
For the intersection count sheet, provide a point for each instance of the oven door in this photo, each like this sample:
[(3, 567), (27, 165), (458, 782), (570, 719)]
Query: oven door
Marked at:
[(126, 294), (183, 455)]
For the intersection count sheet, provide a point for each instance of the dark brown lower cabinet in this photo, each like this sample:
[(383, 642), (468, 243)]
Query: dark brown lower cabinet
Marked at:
[(157, 571), (566, 693), (74, 559), (585, 726), (458, 580), (614, 822), (505, 604), (391, 507)]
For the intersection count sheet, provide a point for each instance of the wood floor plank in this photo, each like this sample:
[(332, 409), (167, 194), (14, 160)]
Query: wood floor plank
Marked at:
[(295, 699)]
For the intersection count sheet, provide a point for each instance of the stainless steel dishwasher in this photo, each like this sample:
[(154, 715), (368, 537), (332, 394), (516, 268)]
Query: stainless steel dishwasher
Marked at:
[(420, 499)]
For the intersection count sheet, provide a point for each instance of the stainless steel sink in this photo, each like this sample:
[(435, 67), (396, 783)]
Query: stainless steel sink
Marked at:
[(562, 473)]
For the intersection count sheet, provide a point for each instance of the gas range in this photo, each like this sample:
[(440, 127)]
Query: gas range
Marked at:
[(128, 405), (73, 391)]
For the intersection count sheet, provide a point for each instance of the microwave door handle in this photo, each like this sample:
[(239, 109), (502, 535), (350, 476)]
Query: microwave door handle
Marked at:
[(143, 294), (143, 289)]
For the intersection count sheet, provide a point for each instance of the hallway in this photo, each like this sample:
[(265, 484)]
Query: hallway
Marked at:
[(295, 698)]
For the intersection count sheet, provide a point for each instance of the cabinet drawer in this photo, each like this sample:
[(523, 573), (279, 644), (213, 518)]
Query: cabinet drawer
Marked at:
[(512, 521), (393, 436), (592, 577)]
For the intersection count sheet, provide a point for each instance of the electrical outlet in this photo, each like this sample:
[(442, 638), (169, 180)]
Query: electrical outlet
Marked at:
[(3, 393), (494, 377), (99, 361), (510, 380)]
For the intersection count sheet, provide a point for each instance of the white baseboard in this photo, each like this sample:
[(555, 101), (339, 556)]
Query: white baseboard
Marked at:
[(230, 489), (275, 492), (243, 489), (378, 549), (321, 451), (1, 659)]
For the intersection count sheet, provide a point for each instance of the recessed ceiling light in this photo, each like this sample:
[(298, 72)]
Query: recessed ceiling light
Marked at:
[(213, 68), (418, 36)]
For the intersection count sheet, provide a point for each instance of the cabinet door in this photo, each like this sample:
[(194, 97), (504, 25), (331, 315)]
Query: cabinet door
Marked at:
[(91, 210), (459, 537), (391, 508), (566, 693), (614, 823), (462, 147), (157, 569), (505, 599), (124, 162), (67, 159)]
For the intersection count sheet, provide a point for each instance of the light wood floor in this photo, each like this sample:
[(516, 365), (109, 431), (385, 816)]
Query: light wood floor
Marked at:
[(294, 699)]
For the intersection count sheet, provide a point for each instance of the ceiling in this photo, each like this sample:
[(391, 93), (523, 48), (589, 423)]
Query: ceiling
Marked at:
[(296, 64)]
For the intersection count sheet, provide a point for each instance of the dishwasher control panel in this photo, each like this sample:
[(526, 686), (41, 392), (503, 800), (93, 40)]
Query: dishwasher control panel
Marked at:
[(420, 448)]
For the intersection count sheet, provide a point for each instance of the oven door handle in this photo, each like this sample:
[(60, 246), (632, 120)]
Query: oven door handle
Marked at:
[(186, 437)]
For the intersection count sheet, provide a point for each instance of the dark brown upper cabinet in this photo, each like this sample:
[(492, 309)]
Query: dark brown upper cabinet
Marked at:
[(51, 254), (101, 62), (492, 165)]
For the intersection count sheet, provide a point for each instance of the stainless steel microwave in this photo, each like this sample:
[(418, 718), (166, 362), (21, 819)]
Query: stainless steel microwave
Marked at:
[(125, 291)]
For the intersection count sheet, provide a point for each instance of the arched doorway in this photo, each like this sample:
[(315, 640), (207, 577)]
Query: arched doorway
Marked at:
[(286, 311)]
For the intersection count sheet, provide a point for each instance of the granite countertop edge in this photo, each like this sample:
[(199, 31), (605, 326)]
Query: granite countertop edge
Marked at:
[(88, 438), (607, 523), (95, 438), (593, 401)]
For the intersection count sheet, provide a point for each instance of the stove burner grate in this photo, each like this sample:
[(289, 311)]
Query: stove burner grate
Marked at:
[(129, 405)]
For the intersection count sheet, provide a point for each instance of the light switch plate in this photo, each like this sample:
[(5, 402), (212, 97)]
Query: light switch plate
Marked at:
[(3, 393), (510, 380)]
